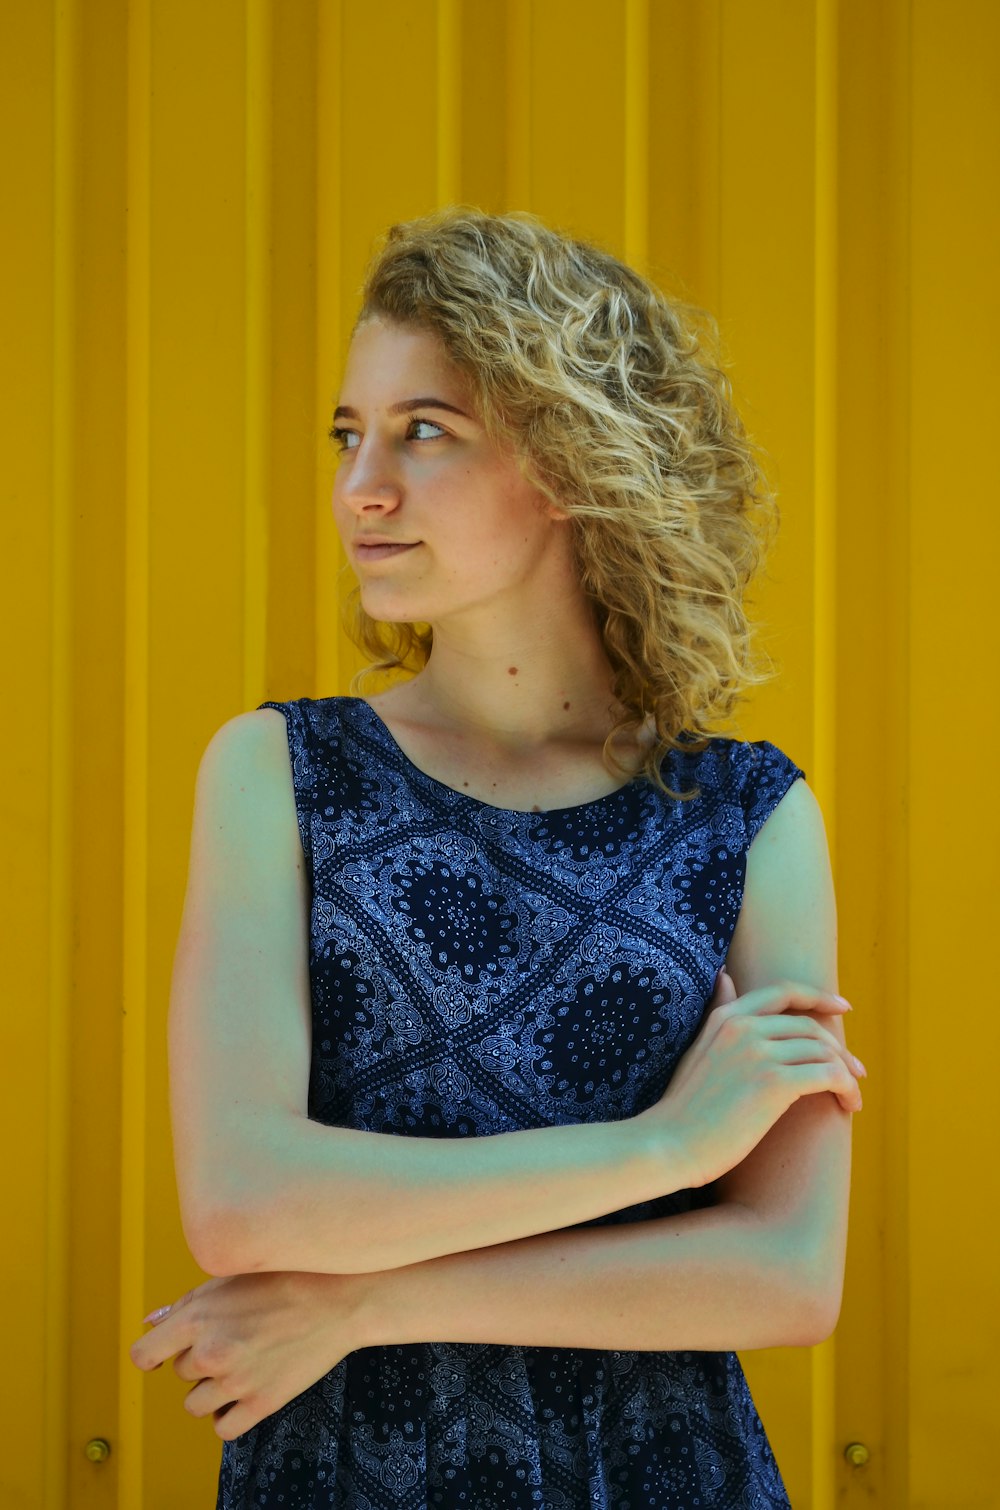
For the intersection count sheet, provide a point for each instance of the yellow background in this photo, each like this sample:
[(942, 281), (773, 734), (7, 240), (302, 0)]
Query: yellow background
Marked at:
[(192, 188)]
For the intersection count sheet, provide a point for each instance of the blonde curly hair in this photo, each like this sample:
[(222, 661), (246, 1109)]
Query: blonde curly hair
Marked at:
[(619, 412)]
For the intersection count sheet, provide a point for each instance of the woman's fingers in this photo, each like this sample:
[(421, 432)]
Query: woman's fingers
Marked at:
[(207, 1397), (792, 996), (153, 1348), (725, 987), (783, 996), (808, 1049), (799, 1025), (183, 1367), (849, 1096), (169, 1336), (788, 1004)]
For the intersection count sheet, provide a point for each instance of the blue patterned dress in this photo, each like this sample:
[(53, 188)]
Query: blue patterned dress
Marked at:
[(477, 970)]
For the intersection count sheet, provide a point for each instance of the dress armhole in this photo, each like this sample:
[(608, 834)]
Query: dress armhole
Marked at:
[(303, 772), (769, 775)]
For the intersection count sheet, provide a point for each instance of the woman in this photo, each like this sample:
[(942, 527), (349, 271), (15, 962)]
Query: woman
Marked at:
[(494, 899)]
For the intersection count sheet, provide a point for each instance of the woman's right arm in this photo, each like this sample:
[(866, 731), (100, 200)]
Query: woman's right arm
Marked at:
[(263, 1187)]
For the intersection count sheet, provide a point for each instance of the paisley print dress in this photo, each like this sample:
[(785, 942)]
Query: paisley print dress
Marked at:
[(476, 970)]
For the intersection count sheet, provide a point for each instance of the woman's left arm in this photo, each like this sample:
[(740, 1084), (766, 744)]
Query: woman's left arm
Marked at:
[(761, 1268), (797, 1179)]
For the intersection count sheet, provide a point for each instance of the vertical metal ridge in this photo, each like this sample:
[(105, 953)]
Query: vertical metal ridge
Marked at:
[(257, 369), (449, 101), (59, 939), (706, 211), (136, 753), (825, 231), (328, 558), (712, 145), (898, 65), (824, 753), (637, 134), (519, 122)]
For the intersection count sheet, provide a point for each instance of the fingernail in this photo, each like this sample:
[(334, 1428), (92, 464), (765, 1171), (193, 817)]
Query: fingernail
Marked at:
[(858, 1065), (157, 1315), (842, 999)]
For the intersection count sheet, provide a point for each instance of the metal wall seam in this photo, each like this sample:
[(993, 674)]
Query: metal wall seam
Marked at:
[(135, 860), (897, 1173), (448, 157), (636, 135), (824, 573), (60, 930), (519, 124), (257, 359), (329, 329)]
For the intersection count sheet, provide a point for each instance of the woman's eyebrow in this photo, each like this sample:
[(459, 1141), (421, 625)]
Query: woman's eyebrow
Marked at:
[(403, 407)]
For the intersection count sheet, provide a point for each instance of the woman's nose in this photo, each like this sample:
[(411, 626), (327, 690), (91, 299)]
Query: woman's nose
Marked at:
[(371, 483), (360, 496)]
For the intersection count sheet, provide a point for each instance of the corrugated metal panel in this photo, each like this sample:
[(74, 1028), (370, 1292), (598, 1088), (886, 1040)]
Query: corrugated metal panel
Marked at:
[(953, 1044), (192, 195)]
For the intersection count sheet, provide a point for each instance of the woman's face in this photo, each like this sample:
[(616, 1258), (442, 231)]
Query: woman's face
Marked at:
[(477, 535)]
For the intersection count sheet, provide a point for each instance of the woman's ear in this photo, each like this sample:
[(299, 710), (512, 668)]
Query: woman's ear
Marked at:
[(558, 514)]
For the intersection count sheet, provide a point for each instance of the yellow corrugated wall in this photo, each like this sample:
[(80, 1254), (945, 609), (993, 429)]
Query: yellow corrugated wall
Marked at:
[(191, 189)]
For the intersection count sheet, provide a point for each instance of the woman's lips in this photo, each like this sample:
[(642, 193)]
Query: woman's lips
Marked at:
[(378, 552)]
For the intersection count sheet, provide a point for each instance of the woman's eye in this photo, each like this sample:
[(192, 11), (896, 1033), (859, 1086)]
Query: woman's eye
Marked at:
[(340, 437), (429, 422)]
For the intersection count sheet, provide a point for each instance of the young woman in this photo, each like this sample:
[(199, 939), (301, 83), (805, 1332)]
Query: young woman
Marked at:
[(493, 1164)]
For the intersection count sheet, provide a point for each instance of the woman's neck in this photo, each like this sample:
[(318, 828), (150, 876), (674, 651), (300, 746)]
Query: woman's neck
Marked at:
[(526, 694)]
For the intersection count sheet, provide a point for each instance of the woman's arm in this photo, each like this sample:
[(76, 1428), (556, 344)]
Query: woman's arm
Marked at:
[(798, 1177), (263, 1187), (341, 1201), (713, 1279), (762, 1268)]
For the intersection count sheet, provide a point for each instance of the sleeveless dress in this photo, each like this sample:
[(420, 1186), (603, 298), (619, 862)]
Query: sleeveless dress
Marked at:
[(476, 970)]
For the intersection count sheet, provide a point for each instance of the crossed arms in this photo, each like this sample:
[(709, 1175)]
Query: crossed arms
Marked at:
[(468, 1236)]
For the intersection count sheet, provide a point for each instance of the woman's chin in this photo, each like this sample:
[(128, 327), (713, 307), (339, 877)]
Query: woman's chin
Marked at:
[(389, 608)]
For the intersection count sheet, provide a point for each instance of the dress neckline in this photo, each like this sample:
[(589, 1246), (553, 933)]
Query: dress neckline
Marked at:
[(382, 727)]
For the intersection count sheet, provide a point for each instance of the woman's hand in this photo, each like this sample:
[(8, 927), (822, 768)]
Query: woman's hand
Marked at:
[(753, 1057), (255, 1341)]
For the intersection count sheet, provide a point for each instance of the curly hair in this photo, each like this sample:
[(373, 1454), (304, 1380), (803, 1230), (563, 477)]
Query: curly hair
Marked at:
[(617, 408)]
